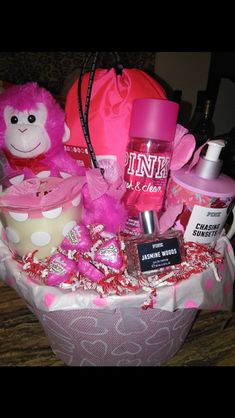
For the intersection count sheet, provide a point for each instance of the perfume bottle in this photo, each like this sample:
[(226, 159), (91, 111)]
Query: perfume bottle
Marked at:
[(151, 251), (148, 155), (204, 129), (198, 112)]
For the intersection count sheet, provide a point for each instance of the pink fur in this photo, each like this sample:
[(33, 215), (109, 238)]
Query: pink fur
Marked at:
[(106, 209), (26, 96)]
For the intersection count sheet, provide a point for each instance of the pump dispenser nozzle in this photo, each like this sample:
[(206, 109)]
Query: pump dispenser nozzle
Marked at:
[(209, 165), (214, 148)]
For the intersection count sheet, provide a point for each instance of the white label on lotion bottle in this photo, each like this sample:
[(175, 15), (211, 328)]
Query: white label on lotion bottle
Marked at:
[(205, 224)]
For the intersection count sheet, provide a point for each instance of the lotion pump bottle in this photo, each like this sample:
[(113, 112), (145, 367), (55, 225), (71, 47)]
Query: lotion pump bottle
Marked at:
[(207, 195), (209, 166)]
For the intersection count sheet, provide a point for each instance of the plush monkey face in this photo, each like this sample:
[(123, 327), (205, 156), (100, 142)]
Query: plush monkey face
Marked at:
[(25, 135)]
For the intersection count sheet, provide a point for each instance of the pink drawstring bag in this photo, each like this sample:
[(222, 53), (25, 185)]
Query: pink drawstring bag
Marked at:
[(109, 95)]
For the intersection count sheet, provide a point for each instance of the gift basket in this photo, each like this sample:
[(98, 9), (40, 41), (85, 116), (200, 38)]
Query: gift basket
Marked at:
[(103, 237)]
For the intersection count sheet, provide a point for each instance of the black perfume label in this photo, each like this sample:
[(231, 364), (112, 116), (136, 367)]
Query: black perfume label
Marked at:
[(157, 254)]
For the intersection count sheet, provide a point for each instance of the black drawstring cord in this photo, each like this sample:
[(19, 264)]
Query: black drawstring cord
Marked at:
[(84, 115)]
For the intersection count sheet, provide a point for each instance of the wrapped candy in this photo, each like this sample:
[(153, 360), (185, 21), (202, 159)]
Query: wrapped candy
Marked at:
[(78, 239), (87, 269), (109, 253), (60, 269)]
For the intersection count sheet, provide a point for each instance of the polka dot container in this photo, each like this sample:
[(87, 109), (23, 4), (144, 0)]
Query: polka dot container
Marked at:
[(37, 213)]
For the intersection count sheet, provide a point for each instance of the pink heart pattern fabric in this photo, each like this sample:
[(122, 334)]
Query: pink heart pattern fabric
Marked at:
[(126, 338)]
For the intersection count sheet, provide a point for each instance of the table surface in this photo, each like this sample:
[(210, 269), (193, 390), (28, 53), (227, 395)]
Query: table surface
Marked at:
[(211, 341)]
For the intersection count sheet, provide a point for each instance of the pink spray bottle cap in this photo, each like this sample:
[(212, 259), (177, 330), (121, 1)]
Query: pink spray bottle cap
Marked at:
[(154, 118)]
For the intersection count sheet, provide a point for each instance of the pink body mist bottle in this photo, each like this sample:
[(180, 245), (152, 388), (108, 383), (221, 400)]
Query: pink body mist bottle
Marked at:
[(152, 130)]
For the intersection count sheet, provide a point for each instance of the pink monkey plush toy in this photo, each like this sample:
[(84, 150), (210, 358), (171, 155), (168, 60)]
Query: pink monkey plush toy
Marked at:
[(32, 133)]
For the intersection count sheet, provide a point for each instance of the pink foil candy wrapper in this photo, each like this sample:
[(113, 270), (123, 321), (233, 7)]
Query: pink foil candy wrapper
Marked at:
[(60, 268), (78, 239), (88, 270), (109, 253)]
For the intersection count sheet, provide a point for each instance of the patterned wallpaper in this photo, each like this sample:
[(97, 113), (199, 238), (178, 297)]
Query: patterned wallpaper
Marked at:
[(51, 69)]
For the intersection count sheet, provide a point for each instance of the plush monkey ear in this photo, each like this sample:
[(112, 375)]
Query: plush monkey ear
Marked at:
[(66, 133)]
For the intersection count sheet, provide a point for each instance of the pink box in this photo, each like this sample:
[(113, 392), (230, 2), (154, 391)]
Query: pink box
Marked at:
[(38, 213)]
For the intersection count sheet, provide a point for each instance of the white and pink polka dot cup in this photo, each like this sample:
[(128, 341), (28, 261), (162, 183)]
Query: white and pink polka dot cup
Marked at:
[(38, 213)]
